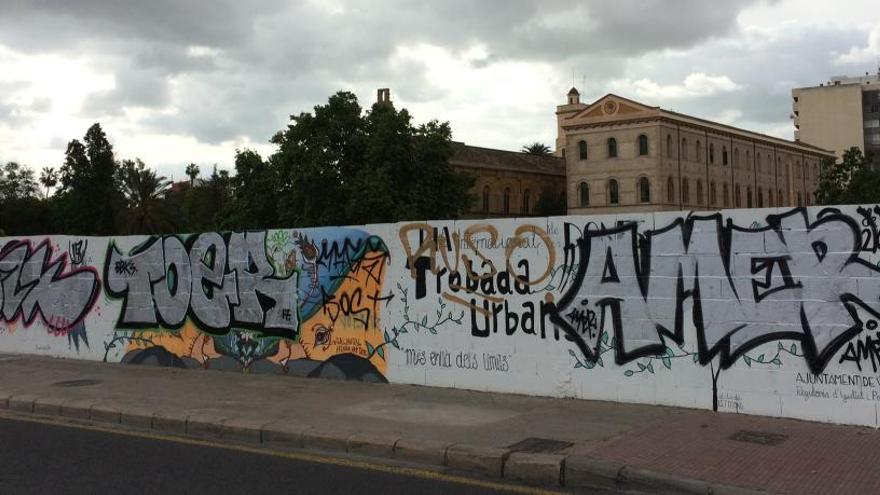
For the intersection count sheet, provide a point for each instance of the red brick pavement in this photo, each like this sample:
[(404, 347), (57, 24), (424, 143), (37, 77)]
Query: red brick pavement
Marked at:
[(814, 458)]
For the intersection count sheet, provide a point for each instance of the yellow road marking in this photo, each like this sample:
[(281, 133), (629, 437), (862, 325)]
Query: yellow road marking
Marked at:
[(296, 456)]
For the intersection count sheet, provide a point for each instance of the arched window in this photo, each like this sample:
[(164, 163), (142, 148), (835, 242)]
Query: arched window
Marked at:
[(684, 148), (612, 148), (699, 148), (685, 194), (506, 200), (670, 190), (770, 198), (613, 192), (584, 194), (760, 198), (563, 152), (749, 197), (724, 155), (726, 192), (644, 190), (582, 149), (699, 192), (526, 204), (736, 201), (780, 200), (758, 161), (800, 199), (713, 194), (669, 146), (748, 159), (711, 153), (485, 199), (643, 145)]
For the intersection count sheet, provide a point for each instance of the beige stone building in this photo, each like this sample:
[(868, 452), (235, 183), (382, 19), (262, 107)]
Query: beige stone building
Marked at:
[(509, 183), (840, 114), (625, 156)]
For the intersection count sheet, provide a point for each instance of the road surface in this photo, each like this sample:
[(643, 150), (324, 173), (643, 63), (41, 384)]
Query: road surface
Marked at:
[(56, 457)]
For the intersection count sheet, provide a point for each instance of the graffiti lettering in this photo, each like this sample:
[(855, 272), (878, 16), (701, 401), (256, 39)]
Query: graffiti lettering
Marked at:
[(217, 281), (746, 286), (33, 283)]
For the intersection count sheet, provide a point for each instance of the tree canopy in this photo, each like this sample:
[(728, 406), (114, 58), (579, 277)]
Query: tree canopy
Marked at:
[(89, 196), (340, 165), (537, 148), (851, 181), (337, 165)]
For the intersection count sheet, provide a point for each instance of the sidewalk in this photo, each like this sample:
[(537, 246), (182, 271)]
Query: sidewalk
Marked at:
[(598, 444)]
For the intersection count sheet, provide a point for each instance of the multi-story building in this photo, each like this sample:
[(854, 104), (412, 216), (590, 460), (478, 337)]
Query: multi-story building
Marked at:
[(840, 114), (510, 183), (624, 156)]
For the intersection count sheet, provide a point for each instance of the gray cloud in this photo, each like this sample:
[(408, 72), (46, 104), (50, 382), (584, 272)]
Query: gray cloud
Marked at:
[(254, 63), (271, 54)]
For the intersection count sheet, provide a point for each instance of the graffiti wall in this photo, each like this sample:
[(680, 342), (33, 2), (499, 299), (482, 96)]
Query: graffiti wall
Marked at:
[(768, 311)]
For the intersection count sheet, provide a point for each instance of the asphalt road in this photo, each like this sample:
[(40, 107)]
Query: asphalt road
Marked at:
[(42, 457)]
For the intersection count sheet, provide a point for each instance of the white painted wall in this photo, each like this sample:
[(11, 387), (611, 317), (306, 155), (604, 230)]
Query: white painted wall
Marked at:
[(798, 343)]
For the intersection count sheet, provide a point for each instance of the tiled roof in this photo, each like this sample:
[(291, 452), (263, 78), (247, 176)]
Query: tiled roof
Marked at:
[(516, 161)]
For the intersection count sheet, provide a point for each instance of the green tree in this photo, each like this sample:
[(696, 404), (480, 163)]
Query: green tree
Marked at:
[(849, 182), (550, 203), (21, 211), (253, 204), (192, 171), (48, 179), (89, 195), (16, 182), (340, 165), (200, 208), (144, 192), (537, 148), (317, 152)]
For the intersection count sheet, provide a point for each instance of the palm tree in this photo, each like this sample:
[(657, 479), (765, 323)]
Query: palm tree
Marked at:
[(143, 191), (48, 179), (192, 170), (536, 148)]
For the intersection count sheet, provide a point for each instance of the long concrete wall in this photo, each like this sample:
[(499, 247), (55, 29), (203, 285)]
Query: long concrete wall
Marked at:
[(768, 311)]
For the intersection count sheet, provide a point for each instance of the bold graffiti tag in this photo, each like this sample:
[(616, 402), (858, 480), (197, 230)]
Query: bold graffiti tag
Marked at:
[(463, 273), (218, 281), (33, 283), (790, 280)]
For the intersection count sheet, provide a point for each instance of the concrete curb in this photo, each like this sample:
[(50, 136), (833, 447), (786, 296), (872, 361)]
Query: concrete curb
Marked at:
[(582, 471), (549, 470), (536, 469)]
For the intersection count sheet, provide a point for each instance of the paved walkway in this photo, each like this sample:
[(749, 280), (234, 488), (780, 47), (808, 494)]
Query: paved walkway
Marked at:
[(601, 444)]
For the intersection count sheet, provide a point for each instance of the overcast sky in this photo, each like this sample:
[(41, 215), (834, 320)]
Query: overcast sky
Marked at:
[(182, 81)]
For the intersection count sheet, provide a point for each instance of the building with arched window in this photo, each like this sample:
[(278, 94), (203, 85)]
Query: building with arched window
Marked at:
[(644, 190), (668, 148), (605, 148), (613, 192), (582, 149), (584, 195), (511, 183), (643, 145), (612, 147)]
